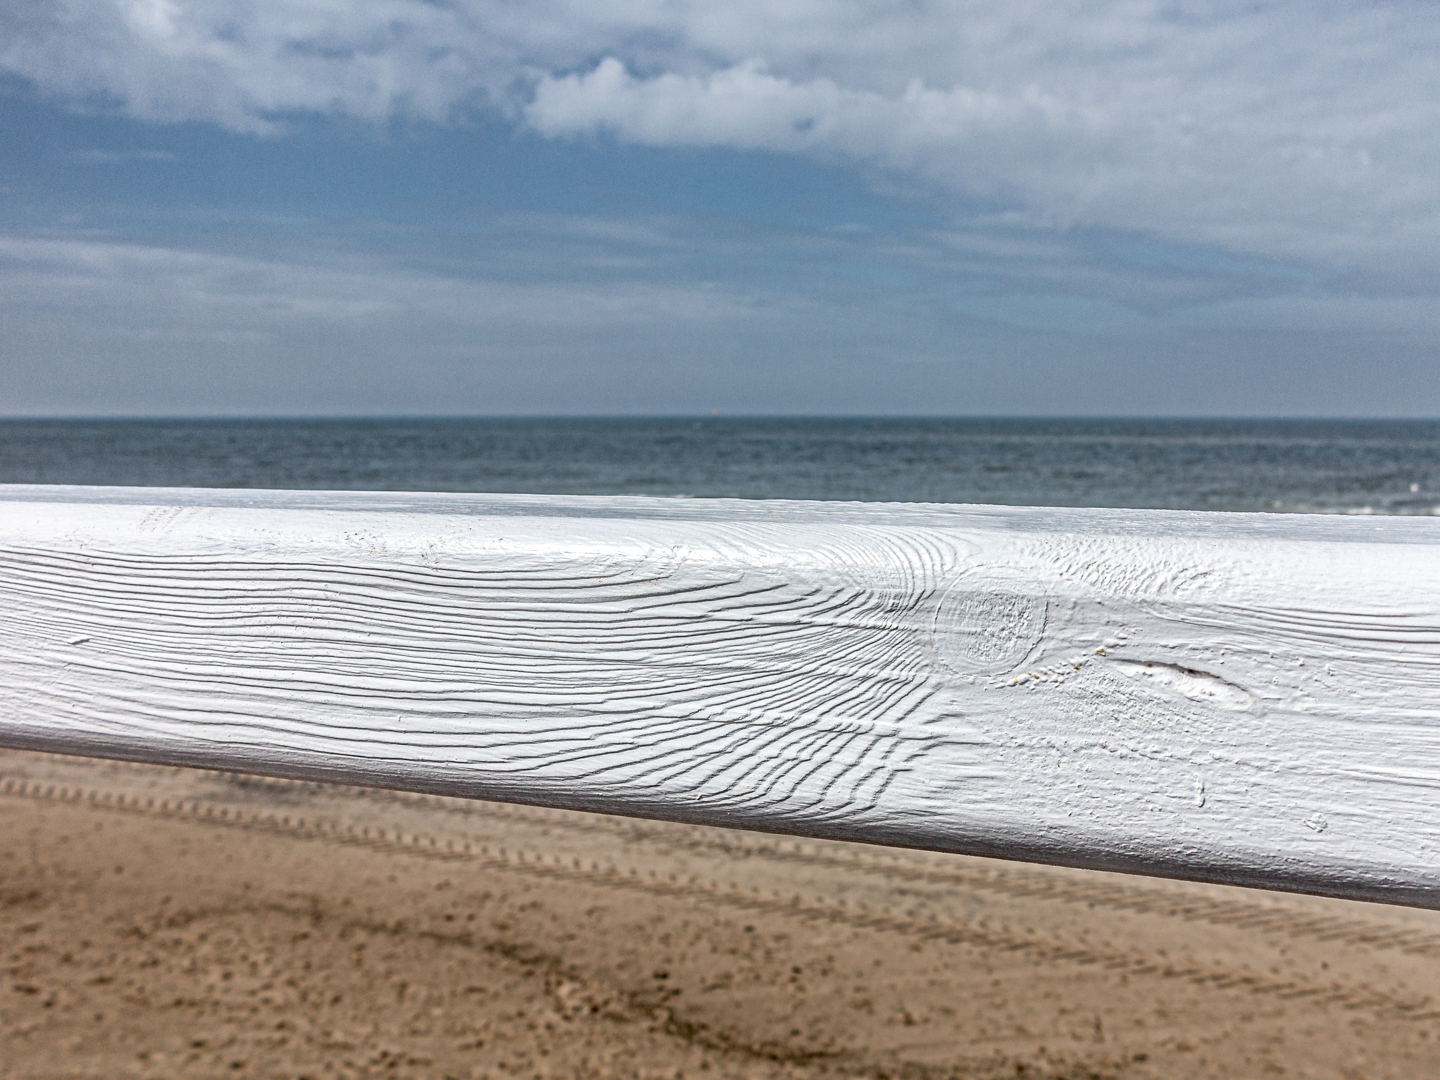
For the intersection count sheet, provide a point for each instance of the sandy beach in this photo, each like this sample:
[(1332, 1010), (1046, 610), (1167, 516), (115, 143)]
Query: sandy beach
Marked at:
[(170, 922)]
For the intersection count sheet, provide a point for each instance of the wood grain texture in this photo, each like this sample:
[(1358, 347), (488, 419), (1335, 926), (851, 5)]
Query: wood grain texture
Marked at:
[(1250, 699)]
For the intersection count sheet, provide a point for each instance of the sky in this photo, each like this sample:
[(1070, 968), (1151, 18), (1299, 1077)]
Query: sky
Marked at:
[(385, 207)]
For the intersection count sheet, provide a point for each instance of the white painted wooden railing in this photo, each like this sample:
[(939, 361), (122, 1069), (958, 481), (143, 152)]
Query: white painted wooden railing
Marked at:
[(1250, 698)]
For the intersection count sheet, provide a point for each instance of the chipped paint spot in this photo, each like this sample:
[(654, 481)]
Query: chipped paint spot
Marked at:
[(1191, 683)]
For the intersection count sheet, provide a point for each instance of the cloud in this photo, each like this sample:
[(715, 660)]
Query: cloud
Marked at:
[(121, 157), (748, 108), (1291, 130), (1336, 187), (579, 316), (116, 326), (193, 291)]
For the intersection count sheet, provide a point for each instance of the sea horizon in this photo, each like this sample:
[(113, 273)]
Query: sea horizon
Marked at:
[(1283, 464)]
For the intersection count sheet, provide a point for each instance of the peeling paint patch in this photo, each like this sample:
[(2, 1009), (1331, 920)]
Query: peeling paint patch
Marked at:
[(1196, 685)]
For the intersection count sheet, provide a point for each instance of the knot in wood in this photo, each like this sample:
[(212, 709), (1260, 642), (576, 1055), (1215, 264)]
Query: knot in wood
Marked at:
[(983, 630)]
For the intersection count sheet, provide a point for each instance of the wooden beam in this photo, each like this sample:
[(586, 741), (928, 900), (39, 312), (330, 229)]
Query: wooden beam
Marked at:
[(1242, 698)]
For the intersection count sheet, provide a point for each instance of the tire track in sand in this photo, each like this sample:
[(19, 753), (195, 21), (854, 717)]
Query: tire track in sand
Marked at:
[(533, 861)]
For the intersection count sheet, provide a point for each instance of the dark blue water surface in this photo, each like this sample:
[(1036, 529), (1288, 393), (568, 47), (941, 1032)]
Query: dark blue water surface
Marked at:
[(1387, 467)]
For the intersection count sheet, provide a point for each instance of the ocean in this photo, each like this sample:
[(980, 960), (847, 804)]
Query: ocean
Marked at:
[(1304, 466)]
